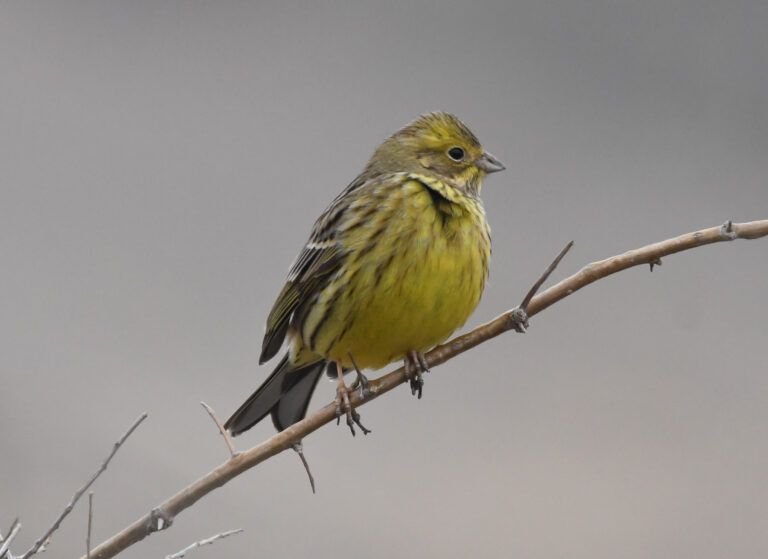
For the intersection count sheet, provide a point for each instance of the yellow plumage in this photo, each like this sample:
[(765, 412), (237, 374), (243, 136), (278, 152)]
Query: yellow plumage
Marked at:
[(394, 265), (409, 290)]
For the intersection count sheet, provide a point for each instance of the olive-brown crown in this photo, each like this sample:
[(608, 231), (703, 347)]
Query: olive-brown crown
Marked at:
[(437, 144)]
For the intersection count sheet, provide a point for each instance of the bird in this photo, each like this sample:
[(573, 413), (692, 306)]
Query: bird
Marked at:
[(394, 265)]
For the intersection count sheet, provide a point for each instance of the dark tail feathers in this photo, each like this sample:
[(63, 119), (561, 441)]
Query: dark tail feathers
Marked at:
[(285, 394)]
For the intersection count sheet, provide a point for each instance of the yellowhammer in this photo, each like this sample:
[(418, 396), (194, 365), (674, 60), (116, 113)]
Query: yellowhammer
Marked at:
[(393, 266)]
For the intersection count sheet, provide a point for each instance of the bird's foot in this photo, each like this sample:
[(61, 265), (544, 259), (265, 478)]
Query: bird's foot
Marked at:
[(415, 364), (362, 384), (344, 407), (518, 319)]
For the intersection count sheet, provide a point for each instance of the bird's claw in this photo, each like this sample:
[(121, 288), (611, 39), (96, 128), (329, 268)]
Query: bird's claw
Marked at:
[(415, 365), (356, 420), (417, 385)]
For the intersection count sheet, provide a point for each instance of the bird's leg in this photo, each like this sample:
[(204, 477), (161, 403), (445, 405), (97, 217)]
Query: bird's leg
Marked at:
[(361, 381), (415, 364), (342, 398), (344, 406)]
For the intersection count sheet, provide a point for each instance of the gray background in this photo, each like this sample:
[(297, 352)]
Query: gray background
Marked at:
[(161, 164)]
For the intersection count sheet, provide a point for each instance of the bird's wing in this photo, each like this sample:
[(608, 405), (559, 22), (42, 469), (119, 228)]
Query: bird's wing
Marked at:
[(318, 264), (318, 260)]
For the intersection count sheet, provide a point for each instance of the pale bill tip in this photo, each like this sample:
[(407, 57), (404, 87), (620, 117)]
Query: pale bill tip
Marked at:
[(489, 163)]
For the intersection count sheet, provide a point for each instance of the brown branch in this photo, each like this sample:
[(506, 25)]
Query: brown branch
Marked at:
[(233, 467), (79, 493)]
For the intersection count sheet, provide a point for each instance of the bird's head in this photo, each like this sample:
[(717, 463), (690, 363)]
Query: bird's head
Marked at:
[(440, 145)]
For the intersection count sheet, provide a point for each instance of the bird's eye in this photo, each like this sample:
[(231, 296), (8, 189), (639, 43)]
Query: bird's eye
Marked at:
[(456, 153)]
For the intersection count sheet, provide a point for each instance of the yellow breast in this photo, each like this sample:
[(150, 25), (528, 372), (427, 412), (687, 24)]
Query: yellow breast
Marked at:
[(408, 288)]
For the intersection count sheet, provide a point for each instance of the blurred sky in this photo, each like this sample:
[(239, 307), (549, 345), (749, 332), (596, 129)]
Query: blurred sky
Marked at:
[(161, 163)]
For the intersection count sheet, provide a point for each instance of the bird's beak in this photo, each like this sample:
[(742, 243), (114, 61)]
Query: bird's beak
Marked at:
[(489, 163)]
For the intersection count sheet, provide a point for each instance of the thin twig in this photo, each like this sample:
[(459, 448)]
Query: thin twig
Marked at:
[(551, 268), (224, 432), (518, 317), (90, 524), (201, 543), (279, 442), (298, 447), (10, 529), (15, 527), (79, 493)]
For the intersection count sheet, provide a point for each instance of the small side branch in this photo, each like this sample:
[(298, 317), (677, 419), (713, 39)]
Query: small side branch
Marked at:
[(79, 493), (201, 543), (90, 525), (6, 546), (224, 432), (548, 272)]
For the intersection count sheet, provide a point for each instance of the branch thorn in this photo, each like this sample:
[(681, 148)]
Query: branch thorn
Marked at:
[(726, 230), (298, 447), (224, 433), (159, 520)]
